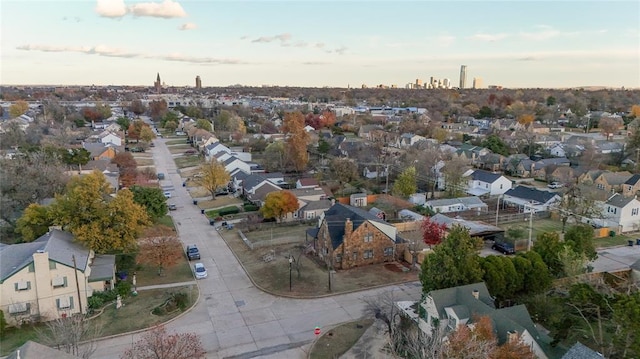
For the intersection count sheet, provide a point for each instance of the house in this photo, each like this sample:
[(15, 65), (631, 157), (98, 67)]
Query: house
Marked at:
[(309, 194), (487, 183), (418, 199), (365, 131), (631, 186), (451, 307), (38, 279), (410, 216), (233, 163), (108, 137), (100, 150), (460, 204), (621, 213), (612, 181), (581, 351), (349, 237), (557, 150), (358, 200), (476, 228), (304, 183), (407, 140), (528, 199), (379, 172), (314, 209)]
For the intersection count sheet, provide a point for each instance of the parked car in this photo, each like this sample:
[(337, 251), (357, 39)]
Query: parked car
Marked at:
[(136, 149), (161, 176), (172, 207), (503, 247), (167, 194), (200, 270), (190, 152), (554, 185), (193, 252)]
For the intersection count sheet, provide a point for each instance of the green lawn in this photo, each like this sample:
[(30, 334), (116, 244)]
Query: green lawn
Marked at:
[(338, 340), (176, 142), (181, 272), (188, 161), (166, 220), (14, 337)]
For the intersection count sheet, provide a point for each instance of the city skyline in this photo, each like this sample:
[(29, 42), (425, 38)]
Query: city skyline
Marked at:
[(320, 43)]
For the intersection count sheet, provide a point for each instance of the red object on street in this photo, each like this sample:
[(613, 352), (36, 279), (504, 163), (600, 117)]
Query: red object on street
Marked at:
[(316, 331)]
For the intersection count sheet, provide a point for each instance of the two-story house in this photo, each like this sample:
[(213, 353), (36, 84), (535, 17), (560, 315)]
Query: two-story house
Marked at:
[(481, 182), (631, 187), (622, 213), (38, 279), (349, 237), (452, 307), (612, 181)]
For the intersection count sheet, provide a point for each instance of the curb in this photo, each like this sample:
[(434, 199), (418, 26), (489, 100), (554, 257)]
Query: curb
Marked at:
[(310, 297)]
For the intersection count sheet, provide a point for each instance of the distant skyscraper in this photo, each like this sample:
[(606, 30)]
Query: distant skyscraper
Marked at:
[(477, 82), (463, 76), (158, 84), (198, 82)]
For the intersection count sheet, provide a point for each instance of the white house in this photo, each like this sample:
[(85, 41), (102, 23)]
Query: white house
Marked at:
[(487, 183), (448, 205), (622, 213), (233, 163), (557, 150), (107, 137), (528, 199)]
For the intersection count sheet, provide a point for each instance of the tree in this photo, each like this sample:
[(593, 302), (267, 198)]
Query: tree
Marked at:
[(534, 271), (485, 111), (157, 109), (635, 111), (158, 344), (73, 335), (548, 246), (103, 110), (297, 140), (580, 239), (610, 125), (274, 156), (526, 119), (551, 101), (124, 123), (135, 131), (278, 204), (34, 222), (159, 247), (76, 157), (214, 176), (323, 146), (137, 107), (626, 314), (432, 232), (496, 145), (453, 171), (406, 184), (344, 169), (146, 134), (128, 168), (578, 202), (152, 199), (18, 108), (203, 124), (453, 263), (171, 125), (501, 277)]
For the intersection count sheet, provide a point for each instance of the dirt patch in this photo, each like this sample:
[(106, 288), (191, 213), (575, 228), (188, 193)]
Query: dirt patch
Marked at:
[(392, 267)]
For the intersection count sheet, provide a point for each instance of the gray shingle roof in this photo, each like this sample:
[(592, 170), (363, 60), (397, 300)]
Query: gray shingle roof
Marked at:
[(633, 180), (619, 201), (338, 214), (471, 202), (476, 228), (484, 176), (531, 194), (580, 351), (32, 349)]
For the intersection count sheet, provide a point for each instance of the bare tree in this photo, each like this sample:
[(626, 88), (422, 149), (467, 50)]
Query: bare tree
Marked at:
[(158, 344), (66, 334)]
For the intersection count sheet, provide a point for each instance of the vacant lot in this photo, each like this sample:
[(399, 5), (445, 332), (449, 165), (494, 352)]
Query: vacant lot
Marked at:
[(181, 272), (178, 149), (187, 161), (313, 279)]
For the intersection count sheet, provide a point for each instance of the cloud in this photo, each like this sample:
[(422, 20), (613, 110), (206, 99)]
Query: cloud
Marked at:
[(166, 9), (316, 63), (283, 38), (188, 26), (102, 50), (488, 37), (340, 50), (111, 8), (318, 45), (528, 58), (445, 40), (544, 32)]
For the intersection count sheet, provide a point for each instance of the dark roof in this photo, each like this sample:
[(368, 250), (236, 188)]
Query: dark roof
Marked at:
[(633, 180), (102, 268), (531, 194), (618, 200), (485, 176), (581, 351), (253, 180), (336, 216)]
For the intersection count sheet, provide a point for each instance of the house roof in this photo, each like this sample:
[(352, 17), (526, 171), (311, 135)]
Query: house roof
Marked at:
[(476, 228), (471, 202), (253, 180), (102, 268), (309, 181), (60, 246), (96, 149), (307, 192), (581, 351), (531, 194), (485, 176), (633, 180), (315, 205), (619, 201), (616, 178), (336, 216), (32, 349)]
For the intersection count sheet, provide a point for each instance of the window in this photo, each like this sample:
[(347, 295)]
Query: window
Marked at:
[(388, 251), (19, 308), (634, 212), (368, 237), (368, 253), (500, 185), (52, 265), (338, 258), (59, 281), (22, 285), (486, 185), (64, 303), (600, 186), (355, 255), (32, 267), (615, 210)]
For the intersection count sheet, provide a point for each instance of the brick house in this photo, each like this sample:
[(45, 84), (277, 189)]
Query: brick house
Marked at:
[(351, 237)]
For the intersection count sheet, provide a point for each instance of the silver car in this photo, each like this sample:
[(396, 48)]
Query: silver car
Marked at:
[(200, 271)]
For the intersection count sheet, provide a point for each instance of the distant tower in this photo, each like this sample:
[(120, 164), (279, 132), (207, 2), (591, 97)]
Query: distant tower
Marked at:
[(158, 84), (477, 82), (463, 76), (198, 82)]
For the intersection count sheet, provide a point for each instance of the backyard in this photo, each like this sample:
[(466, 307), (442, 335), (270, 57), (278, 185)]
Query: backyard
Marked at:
[(313, 279)]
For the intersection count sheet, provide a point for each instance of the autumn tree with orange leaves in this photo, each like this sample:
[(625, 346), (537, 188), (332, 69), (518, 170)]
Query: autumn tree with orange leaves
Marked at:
[(159, 247), (128, 168), (297, 140), (158, 344), (278, 204)]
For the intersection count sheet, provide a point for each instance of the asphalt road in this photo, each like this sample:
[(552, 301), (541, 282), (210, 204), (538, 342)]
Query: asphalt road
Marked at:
[(233, 318)]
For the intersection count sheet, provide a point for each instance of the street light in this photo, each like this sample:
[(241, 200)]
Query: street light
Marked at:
[(290, 263)]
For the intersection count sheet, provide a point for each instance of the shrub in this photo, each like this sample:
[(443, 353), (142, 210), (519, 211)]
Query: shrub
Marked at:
[(123, 288), (228, 210), (95, 302), (181, 300), (250, 208), (3, 322)]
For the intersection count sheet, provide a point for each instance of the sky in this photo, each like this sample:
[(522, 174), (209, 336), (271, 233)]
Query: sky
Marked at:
[(317, 43)]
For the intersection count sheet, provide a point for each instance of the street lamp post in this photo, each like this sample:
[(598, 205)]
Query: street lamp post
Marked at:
[(498, 209), (290, 263)]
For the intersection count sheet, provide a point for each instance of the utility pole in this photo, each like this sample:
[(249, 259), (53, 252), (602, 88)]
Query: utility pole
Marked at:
[(530, 227), (497, 209), (387, 185), (75, 271)]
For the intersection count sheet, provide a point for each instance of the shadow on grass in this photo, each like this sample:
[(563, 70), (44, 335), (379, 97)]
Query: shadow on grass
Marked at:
[(339, 340)]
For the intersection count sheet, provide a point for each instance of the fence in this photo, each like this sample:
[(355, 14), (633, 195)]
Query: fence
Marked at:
[(508, 217), (267, 239)]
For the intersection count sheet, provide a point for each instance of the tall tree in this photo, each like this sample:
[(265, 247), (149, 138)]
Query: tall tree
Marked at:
[(137, 107), (159, 247), (128, 168), (157, 109), (406, 183), (214, 176), (203, 124), (297, 140), (152, 199), (548, 246), (496, 145), (453, 171), (453, 263), (278, 204), (18, 108), (146, 134), (274, 156), (344, 169), (74, 335), (580, 239), (158, 344), (432, 233), (34, 222), (124, 123), (76, 157)]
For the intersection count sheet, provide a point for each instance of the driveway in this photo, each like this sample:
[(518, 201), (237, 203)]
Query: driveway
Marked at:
[(233, 318)]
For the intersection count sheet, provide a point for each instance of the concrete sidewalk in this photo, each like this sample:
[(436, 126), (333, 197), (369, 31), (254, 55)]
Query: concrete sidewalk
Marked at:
[(168, 285)]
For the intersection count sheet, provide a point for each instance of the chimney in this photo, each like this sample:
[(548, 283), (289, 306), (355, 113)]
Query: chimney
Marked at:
[(476, 294), (512, 337), (348, 228)]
